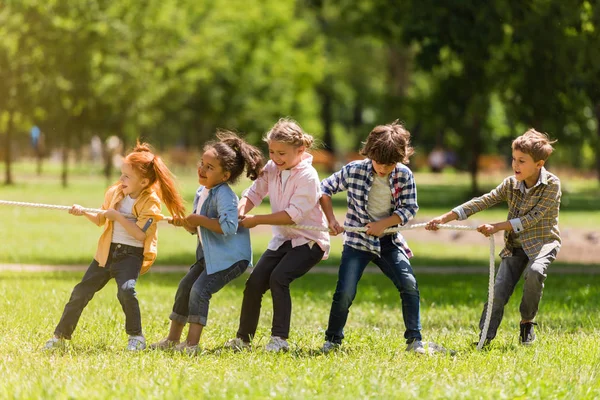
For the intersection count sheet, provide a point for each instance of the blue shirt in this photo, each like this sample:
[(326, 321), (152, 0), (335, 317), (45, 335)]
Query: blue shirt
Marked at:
[(221, 251), (357, 178)]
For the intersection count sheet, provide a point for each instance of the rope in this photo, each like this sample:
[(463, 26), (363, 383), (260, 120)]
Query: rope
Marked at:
[(325, 229)]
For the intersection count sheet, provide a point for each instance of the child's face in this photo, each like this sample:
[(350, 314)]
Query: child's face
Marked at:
[(210, 172), (284, 155), (382, 169), (131, 183), (525, 168)]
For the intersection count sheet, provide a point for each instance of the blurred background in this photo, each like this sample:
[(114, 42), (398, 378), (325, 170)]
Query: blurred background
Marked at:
[(81, 80)]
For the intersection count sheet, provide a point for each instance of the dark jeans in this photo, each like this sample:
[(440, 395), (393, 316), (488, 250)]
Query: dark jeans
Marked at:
[(275, 270), (510, 271), (124, 264), (394, 264), (196, 289)]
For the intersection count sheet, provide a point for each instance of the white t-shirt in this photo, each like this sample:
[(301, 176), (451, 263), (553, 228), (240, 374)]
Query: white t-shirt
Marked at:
[(380, 198), (201, 200), (285, 174), (120, 234)]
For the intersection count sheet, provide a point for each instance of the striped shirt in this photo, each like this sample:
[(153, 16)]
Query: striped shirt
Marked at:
[(532, 214), (357, 178)]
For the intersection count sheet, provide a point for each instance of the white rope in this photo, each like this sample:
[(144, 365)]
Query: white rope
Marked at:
[(346, 228)]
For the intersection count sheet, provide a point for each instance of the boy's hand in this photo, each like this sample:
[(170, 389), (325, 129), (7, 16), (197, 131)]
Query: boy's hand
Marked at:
[(111, 214), (487, 229), (375, 228), (76, 209), (335, 228), (248, 221), (433, 224)]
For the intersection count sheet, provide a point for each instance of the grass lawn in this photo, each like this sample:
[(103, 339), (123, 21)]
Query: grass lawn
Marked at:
[(563, 363)]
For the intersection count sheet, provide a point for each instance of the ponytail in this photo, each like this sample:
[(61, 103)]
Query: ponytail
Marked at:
[(152, 167), (235, 155)]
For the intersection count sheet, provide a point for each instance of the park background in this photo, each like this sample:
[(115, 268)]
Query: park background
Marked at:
[(81, 80)]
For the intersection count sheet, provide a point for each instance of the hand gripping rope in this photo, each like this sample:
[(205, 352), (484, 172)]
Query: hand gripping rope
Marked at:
[(347, 228)]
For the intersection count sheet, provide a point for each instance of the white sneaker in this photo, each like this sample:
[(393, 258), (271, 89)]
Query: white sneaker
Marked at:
[(55, 343), (136, 343), (418, 347), (329, 346), (237, 344), (277, 344)]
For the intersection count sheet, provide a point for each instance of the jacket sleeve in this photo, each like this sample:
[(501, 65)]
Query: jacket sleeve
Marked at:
[(227, 203), (484, 202)]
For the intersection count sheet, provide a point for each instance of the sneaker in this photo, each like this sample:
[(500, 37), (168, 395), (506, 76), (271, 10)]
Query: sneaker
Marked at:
[(527, 336), (55, 343), (136, 343), (329, 346), (237, 344), (185, 348), (277, 344), (418, 347), (164, 344)]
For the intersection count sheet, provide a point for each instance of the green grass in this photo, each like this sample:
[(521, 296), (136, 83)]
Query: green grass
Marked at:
[(31, 235), (564, 363)]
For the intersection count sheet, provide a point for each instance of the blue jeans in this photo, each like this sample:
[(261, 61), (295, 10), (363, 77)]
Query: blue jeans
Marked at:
[(205, 286), (394, 264), (124, 264)]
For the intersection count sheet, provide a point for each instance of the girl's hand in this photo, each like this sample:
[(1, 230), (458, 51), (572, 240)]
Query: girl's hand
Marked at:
[(248, 221), (111, 214), (176, 221), (335, 228), (375, 228), (487, 229), (76, 209), (433, 224), (193, 220)]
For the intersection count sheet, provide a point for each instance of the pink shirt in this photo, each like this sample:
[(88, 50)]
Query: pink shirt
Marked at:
[(299, 198)]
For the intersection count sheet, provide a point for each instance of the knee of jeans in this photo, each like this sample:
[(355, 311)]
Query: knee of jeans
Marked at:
[(536, 272), (202, 294), (344, 297), (127, 290)]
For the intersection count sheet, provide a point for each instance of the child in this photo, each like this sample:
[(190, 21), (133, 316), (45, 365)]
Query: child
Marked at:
[(381, 194), (531, 236), (127, 246), (223, 251), (292, 184)]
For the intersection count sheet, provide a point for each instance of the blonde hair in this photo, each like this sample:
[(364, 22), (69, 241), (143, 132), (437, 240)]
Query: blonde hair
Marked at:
[(388, 144), (151, 167), (537, 144), (288, 131)]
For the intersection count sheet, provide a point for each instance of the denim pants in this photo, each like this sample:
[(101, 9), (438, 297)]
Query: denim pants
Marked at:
[(181, 305), (124, 264), (394, 264), (510, 271), (275, 270)]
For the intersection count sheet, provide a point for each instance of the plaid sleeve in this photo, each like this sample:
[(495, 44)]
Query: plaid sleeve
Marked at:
[(549, 200), (338, 182), (406, 206), (484, 202)]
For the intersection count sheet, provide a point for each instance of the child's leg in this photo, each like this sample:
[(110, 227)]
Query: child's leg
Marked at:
[(125, 267), (351, 269), (180, 312), (535, 275), (297, 262), (256, 285), (395, 265), (94, 279), (201, 293), (508, 275)]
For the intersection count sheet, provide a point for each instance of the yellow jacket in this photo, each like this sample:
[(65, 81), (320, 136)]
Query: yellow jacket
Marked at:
[(147, 210)]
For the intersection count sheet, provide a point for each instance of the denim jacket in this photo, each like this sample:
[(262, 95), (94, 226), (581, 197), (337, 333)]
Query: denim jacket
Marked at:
[(221, 251)]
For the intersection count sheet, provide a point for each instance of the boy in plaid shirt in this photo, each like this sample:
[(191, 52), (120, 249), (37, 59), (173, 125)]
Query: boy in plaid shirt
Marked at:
[(381, 194), (531, 234)]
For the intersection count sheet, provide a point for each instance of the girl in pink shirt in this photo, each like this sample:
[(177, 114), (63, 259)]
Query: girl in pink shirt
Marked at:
[(293, 187)]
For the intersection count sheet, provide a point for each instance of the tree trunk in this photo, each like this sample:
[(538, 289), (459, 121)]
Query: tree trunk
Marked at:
[(327, 115), (475, 153), (597, 112), (8, 153), (65, 157)]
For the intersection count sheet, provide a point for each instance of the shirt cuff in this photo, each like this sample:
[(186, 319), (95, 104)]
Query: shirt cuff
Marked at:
[(460, 212), (516, 225)]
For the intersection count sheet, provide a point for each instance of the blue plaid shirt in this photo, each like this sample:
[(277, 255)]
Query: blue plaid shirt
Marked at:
[(357, 178)]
